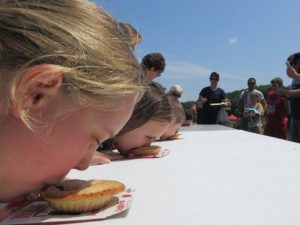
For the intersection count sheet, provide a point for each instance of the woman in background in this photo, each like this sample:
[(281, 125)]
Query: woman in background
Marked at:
[(277, 108)]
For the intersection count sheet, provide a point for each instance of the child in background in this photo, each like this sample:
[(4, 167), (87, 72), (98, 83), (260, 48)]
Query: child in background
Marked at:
[(178, 119), (62, 91), (175, 91), (144, 127), (150, 119), (153, 65), (189, 117), (253, 113), (277, 108), (194, 112)]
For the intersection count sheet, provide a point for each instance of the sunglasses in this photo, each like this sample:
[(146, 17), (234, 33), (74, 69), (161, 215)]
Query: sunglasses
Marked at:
[(252, 83), (275, 83), (214, 79)]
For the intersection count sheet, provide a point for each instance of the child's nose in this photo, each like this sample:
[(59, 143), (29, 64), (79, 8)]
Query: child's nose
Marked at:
[(82, 165)]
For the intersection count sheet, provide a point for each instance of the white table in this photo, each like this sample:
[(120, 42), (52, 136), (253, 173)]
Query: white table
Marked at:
[(213, 176)]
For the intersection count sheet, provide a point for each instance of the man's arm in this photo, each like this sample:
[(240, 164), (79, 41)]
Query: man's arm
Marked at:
[(289, 93)]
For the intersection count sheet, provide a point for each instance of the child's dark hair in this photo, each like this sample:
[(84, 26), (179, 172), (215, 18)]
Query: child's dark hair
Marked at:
[(154, 60), (214, 75), (294, 59), (189, 115), (154, 105)]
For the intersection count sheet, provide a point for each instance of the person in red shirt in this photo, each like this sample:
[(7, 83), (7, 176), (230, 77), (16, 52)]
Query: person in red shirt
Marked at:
[(277, 108)]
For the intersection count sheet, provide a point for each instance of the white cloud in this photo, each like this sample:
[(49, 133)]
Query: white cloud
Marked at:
[(232, 41), (188, 71), (183, 70)]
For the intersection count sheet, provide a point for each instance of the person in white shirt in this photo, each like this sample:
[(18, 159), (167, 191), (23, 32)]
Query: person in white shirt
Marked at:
[(245, 99)]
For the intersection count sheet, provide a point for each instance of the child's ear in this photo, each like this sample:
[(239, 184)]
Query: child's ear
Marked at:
[(35, 87)]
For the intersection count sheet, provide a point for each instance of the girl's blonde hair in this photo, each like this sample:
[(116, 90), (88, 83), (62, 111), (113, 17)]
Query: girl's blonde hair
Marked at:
[(131, 35), (75, 37)]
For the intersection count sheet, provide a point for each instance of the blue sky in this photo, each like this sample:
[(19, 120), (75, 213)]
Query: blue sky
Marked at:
[(236, 38)]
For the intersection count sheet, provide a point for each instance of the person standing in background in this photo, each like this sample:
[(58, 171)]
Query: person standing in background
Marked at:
[(277, 108), (293, 71), (245, 99), (153, 65), (208, 113)]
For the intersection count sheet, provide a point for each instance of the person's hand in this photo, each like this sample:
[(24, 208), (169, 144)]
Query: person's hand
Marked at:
[(282, 91), (292, 73), (112, 155), (100, 158), (33, 196), (199, 104), (227, 103), (203, 99)]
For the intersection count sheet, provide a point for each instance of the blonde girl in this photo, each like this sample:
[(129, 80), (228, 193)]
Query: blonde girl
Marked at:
[(253, 114), (65, 71)]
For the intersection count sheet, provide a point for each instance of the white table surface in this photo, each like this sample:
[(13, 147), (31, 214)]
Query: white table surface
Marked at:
[(213, 176)]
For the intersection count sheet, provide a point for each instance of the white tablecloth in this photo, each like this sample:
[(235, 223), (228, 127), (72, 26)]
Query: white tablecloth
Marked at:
[(213, 176)]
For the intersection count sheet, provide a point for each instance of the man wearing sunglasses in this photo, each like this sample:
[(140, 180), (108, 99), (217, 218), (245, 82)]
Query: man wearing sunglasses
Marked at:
[(245, 99)]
